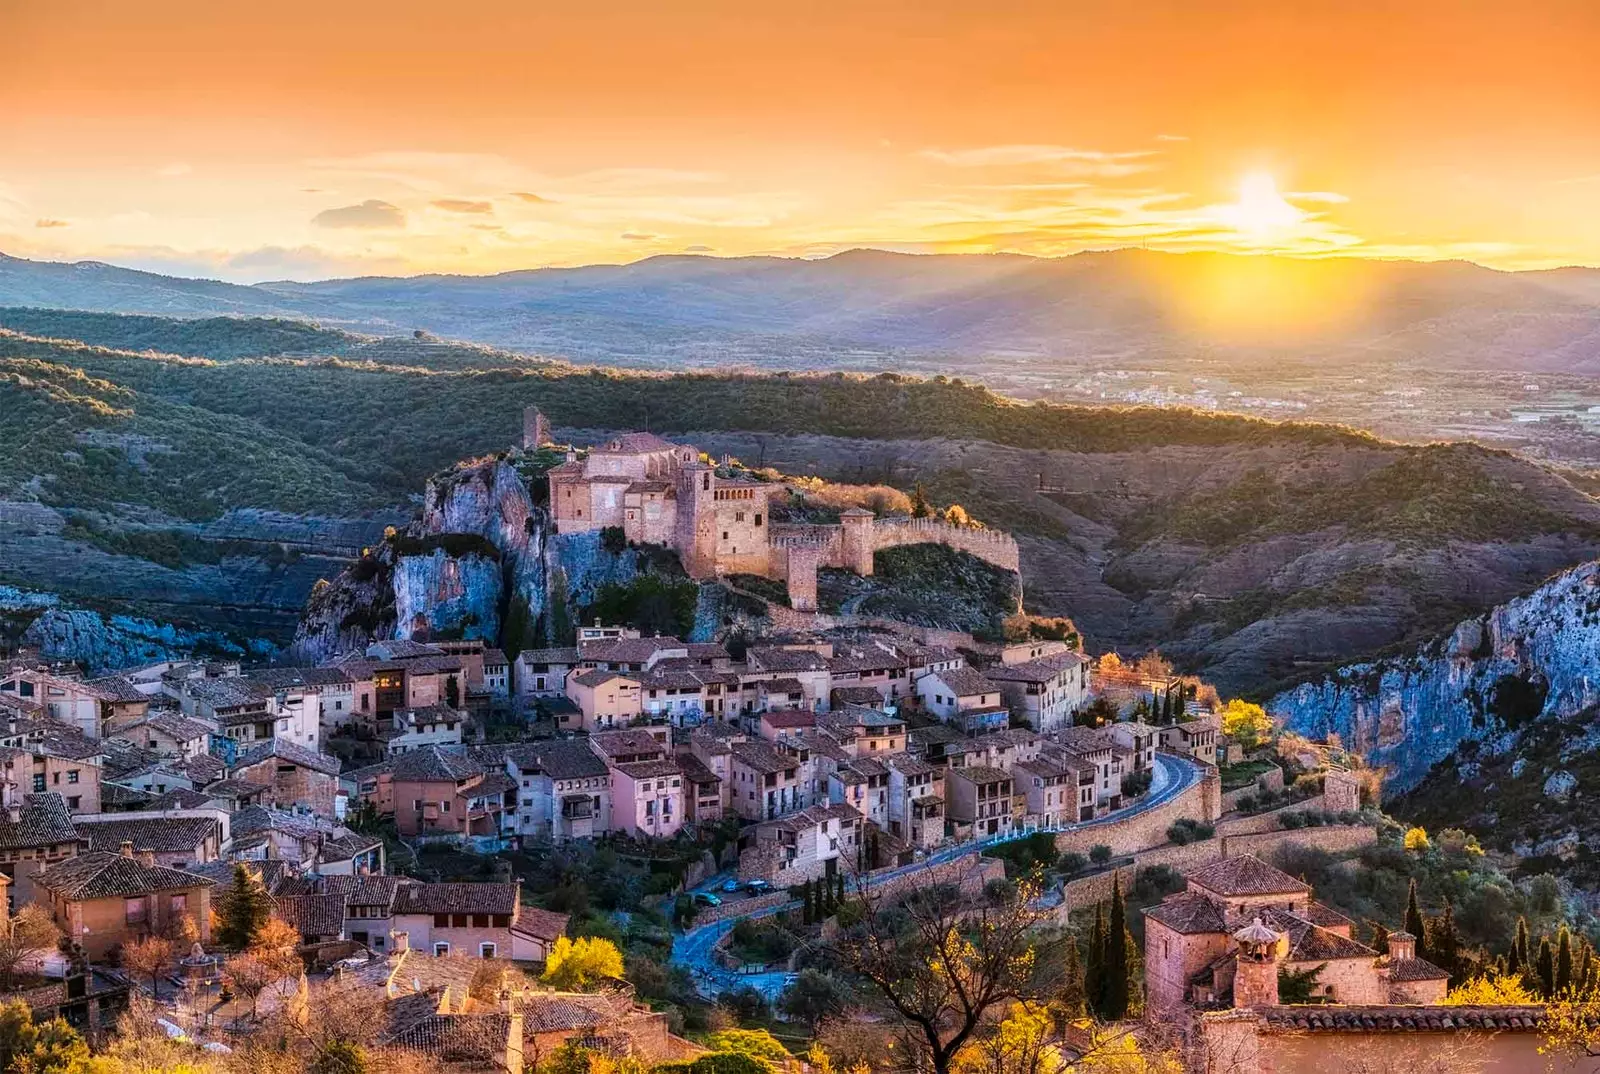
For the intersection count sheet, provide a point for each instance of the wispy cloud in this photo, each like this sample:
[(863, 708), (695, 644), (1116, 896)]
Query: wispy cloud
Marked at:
[(638, 236), (532, 199), (463, 205), (48, 222), (1057, 157), (1172, 137), (371, 213)]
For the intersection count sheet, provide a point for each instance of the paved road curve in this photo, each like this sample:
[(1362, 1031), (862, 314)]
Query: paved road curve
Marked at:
[(694, 949)]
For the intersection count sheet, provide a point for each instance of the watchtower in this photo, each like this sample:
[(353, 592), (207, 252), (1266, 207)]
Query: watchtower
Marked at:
[(696, 526), (535, 428), (856, 540)]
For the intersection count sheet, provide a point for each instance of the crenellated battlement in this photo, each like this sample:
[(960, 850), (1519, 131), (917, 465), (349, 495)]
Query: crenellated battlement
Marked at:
[(993, 546)]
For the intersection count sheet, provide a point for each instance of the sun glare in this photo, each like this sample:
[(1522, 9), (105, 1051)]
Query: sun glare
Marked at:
[(1261, 214)]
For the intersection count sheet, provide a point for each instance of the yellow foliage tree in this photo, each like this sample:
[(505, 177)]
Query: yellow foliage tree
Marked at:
[(576, 965), (1417, 840), (1490, 992), (1246, 723)]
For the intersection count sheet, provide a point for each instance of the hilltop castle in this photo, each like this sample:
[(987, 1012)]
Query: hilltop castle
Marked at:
[(658, 492)]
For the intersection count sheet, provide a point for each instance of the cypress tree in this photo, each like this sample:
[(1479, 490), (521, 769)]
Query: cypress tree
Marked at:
[(242, 910), (1444, 949), (1115, 976), (1580, 977), (1380, 938), (1094, 964), (826, 897), (1563, 982), (810, 902), (1072, 981), (1517, 960), (1414, 923), (1545, 971), (839, 899)]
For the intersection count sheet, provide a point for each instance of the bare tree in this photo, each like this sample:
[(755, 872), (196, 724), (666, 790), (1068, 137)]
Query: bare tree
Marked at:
[(149, 957), (249, 975), (945, 964), (22, 937)]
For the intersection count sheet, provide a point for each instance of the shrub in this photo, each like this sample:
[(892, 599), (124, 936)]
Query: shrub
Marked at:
[(1416, 840), (1072, 863), (1099, 853), (1292, 820)]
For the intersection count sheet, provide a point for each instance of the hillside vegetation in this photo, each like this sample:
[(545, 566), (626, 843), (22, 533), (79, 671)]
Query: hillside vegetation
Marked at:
[(1254, 551)]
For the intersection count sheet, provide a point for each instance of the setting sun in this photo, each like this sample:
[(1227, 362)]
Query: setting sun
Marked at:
[(1262, 215)]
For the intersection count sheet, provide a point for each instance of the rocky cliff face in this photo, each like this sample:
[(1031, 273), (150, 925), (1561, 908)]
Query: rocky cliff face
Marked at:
[(1488, 683), (482, 562)]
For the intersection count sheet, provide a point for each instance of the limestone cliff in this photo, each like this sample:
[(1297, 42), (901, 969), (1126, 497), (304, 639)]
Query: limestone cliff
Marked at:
[(1532, 659), (483, 561)]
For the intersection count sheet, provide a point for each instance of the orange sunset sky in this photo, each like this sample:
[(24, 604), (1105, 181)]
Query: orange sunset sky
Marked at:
[(307, 139)]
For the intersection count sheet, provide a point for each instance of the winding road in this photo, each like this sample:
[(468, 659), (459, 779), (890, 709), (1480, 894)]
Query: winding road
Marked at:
[(695, 949)]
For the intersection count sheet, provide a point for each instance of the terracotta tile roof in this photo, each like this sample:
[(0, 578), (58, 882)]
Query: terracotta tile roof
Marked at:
[(695, 770), (635, 444), (965, 682), (284, 750), (365, 890), (629, 743), (1311, 943), (568, 655), (168, 835), (98, 875), (1044, 669), (979, 773), (234, 789), (1416, 969), (767, 658), (292, 678), (650, 769), (345, 847), (1327, 917), (789, 719), (455, 1038), (761, 757), (1364, 1018), (599, 677), (1246, 875), (908, 765), (571, 759), (1189, 914), (312, 915), (457, 899), (627, 650), (230, 693), (540, 923), (175, 726), (115, 794), (43, 821), (434, 763), (116, 688)]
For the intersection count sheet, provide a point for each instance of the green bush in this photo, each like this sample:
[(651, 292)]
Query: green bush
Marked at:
[(1100, 854)]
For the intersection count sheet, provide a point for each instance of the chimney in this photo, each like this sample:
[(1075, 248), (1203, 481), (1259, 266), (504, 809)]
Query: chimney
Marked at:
[(127, 848), (1255, 975), (399, 942), (147, 857), (1402, 946), (13, 812)]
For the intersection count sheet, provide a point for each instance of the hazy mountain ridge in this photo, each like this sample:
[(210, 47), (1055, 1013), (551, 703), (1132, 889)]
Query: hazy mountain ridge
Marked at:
[(863, 306)]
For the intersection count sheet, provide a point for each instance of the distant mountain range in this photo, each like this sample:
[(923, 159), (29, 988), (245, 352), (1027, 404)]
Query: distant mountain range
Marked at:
[(859, 308)]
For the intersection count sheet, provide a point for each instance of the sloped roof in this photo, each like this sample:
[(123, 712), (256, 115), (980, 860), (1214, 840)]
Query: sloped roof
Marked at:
[(965, 682), (164, 835), (312, 915), (43, 820), (1189, 913), (284, 750), (99, 875), (1416, 969), (1311, 943), (540, 923), (571, 759), (434, 763), (365, 890), (1246, 875), (456, 899), (1375, 1018)]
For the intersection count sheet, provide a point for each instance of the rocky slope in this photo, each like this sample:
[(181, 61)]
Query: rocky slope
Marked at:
[(101, 642), (1484, 689)]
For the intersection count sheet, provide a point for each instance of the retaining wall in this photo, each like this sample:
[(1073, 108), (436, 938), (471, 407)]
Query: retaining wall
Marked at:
[(1148, 829), (1185, 859), (1270, 821), (1272, 780)]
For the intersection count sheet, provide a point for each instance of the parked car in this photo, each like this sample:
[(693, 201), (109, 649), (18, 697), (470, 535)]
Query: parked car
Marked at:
[(730, 887), (705, 898), (758, 887)]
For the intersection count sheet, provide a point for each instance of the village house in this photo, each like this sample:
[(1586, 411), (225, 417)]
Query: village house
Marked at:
[(104, 901), (1059, 789), (167, 733), (647, 798), (978, 801), (543, 672), (1140, 739), (870, 666), (178, 839), (292, 774), (564, 789), (58, 758), (801, 846), (431, 789), (1099, 747), (605, 699), (1044, 692), (702, 791), (78, 704), (36, 832), (1193, 952), (865, 731), (765, 781), (1196, 737), (963, 698), (778, 724), (805, 666), (916, 801), (478, 920), (431, 725)]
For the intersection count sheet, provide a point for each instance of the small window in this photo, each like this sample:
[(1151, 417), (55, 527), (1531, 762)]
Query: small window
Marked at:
[(133, 910), (486, 950), (441, 949), (72, 776), (74, 802)]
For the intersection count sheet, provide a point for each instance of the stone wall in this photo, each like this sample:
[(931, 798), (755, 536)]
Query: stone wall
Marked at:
[(1271, 780), (1272, 819), (1149, 828), (740, 907), (993, 546), (1335, 840)]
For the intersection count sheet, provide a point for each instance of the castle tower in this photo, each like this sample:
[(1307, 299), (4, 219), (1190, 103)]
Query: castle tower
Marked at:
[(535, 428), (1402, 946), (1341, 792), (696, 529), (801, 576), (1255, 975), (857, 544)]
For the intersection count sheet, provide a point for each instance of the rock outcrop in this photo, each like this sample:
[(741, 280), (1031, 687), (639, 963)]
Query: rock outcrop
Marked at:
[(1533, 658)]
